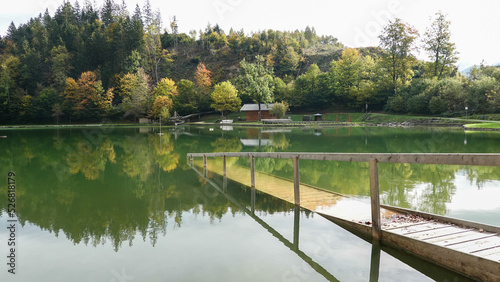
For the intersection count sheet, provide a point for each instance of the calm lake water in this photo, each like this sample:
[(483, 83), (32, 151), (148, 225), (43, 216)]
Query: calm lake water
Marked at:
[(113, 204)]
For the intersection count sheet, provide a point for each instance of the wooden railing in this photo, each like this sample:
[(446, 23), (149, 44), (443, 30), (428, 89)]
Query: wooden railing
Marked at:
[(372, 159)]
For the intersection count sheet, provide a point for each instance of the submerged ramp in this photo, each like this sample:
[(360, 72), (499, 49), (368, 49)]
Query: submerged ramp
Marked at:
[(312, 198)]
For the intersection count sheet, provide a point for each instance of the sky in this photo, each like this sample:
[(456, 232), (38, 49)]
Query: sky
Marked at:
[(475, 25)]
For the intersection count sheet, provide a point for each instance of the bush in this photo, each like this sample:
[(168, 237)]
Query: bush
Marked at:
[(395, 104), (279, 109), (418, 104), (437, 105)]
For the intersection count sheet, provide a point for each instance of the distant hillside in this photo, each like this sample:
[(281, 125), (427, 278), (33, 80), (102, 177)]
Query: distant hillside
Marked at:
[(224, 64)]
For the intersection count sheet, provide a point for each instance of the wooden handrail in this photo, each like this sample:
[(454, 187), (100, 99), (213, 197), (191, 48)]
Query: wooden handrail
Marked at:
[(411, 158)]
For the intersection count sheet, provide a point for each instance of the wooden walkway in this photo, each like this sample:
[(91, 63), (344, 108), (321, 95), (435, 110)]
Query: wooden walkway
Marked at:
[(469, 248)]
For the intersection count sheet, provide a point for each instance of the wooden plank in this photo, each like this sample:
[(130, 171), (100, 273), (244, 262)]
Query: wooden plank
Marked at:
[(399, 225), (476, 245), (440, 237), (488, 253), (460, 238), (436, 233), (427, 226), (492, 254)]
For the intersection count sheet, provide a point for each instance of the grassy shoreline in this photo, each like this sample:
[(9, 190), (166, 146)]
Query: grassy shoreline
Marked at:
[(330, 120)]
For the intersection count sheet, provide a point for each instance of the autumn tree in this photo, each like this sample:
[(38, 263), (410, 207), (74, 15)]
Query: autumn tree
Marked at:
[(225, 97), (86, 97), (164, 93), (203, 79), (398, 41), (439, 47)]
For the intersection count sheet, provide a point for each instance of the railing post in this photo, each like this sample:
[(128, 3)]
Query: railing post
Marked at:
[(375, 199), (224, 171), (192, 159), (296, 180), (204, 161), (252, 170)]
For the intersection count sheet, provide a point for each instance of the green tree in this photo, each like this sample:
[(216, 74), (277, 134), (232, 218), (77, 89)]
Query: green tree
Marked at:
[(60, 66), (255, 82), (483, 94), (440, 49), (437, 105), (225, 97), (185, 102), (290, 61), (398, 41), (137, 103), (346, 73), (308, 92)]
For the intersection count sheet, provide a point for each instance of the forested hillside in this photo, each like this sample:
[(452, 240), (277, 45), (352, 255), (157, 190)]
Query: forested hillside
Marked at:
[(86, 63)]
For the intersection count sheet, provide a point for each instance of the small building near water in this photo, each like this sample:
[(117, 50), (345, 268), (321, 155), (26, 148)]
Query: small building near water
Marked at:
[(252, 111)]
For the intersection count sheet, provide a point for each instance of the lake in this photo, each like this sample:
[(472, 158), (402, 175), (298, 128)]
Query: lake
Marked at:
[(122, 204)]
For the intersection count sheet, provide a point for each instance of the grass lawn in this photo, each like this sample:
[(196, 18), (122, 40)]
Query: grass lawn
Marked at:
[(483, 125), (486, 116)]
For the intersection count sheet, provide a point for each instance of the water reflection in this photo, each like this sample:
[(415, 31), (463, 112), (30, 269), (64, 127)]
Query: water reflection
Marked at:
[(430, 270), (111, 183)]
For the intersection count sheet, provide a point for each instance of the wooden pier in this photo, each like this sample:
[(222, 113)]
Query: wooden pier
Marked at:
[(470, 248)]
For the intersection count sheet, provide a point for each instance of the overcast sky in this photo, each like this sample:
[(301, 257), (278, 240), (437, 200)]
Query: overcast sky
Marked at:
[(475, 25)]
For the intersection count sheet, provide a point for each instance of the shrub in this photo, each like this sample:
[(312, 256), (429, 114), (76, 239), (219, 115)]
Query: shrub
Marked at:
[(279, 109)]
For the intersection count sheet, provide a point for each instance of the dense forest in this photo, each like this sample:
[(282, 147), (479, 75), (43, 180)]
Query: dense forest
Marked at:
[(87, 63)]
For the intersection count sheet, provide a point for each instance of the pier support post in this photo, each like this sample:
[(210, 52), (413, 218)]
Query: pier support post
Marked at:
[(296, 227), (224, 171), (296, 180), (224, 184), (375, 261), (252, 170), (375, 199), (252, 199)]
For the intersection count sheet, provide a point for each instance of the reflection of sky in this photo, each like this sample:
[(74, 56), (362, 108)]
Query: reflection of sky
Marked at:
[(476, 204), (469, 202), (235, 248)]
